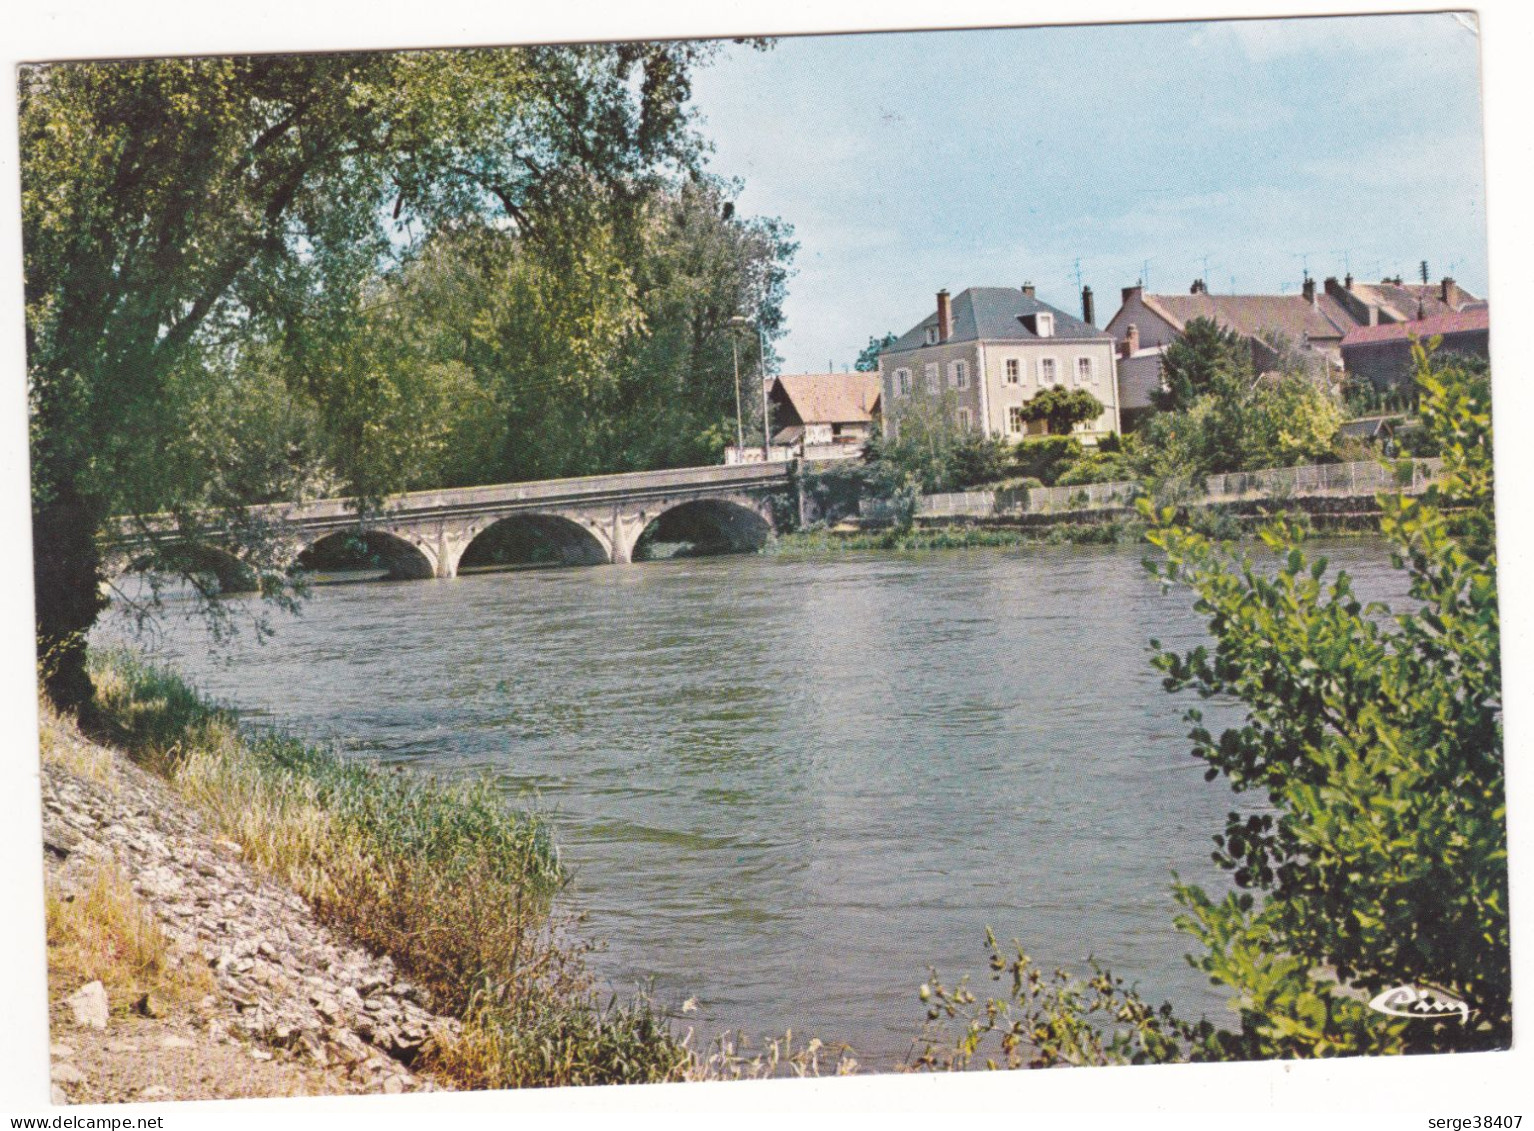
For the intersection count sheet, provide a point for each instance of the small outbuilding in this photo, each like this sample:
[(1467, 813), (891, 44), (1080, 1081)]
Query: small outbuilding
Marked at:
[(824, 415)]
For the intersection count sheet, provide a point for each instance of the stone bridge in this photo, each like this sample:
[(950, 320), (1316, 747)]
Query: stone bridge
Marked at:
[(588, 521)]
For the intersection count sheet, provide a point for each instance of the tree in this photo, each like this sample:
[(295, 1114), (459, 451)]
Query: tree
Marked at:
[(1062, 409), (868, 359), (175, 210), (602, 344), (1378, 745), (701, 264), (1192, 364)]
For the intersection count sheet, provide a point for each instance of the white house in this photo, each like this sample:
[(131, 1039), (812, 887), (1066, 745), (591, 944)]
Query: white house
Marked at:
[(991, 350)]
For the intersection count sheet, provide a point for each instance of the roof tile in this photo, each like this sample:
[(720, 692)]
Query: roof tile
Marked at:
[(832, 398)]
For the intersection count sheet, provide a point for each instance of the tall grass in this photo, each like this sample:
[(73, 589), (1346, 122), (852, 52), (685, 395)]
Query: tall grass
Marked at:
[(1100, 532), (102, 931), (444, 877)]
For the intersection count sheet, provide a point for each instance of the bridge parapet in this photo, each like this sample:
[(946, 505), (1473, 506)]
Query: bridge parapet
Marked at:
[(585, 490)]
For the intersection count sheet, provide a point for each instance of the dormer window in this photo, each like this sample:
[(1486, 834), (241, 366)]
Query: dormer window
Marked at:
[(1040, 323), (932, 335)]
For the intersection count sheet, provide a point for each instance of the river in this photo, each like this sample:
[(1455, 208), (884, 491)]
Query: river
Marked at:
[(786, 787)]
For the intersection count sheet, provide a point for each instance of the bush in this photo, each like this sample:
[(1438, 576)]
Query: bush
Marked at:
[(1046, 458), (1378, 743), (976, 459), (1098, 467)]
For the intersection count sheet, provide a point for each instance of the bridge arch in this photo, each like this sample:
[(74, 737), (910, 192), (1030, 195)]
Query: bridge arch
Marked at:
[(401, 557), (212, 566), (706, 526), (534, 538)]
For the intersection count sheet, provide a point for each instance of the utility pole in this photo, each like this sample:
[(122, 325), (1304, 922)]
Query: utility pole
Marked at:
[(740, 425)]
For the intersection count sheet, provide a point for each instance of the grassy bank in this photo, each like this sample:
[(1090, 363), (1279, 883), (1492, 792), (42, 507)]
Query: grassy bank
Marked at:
[(1108, 528), (961, 536), (445, 878)]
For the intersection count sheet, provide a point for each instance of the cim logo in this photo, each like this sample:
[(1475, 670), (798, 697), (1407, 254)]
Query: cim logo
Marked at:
[(1418, 1002)]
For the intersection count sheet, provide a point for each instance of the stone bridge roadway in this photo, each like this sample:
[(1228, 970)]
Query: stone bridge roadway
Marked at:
[(588, 521)]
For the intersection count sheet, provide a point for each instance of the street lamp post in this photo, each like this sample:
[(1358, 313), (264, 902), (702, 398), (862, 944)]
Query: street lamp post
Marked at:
[(740, 427), (736, 323), (761, 341)]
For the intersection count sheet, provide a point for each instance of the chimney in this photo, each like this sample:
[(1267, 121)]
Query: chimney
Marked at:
[(1028, 289), (1198, 288), (1309, 290), (1131, 343), (1449, 292), (1131, 292), (1088, 315), (1347, 280), (944, 316)]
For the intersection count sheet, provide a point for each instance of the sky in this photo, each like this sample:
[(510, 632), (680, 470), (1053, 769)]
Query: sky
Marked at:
[(1244, 152)]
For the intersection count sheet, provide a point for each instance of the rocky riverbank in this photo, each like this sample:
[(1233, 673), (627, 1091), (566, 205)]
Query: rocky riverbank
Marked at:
[(249, 994)]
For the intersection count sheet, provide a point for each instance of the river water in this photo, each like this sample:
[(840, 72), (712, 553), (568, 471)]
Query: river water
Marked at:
[(787, 787)]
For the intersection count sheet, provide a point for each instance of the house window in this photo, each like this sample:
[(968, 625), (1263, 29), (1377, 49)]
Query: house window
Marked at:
[(902, 382), (1085, 374), (1014, 371), (1046, 371), (958, 375), (932, 335), (965, 420), (1015, 421), (932, 378)]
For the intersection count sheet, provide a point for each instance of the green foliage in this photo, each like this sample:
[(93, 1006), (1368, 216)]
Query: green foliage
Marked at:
[(1050, 1020), (1378, 746), (1193, 364), (1239, 424), (1099, 466), (977, 459), (835, 490), (930, 451), (1046, 458), (1062, 409), (868, 358)]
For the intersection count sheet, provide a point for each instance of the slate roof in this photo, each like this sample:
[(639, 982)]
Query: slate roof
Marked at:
[(990, 314), (1462, 322), (1252, 316), (1369, 427), (832, 398)]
